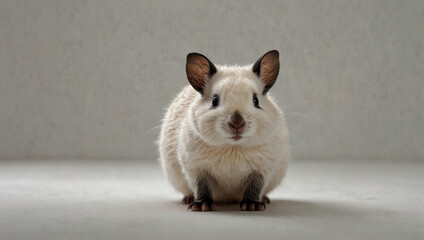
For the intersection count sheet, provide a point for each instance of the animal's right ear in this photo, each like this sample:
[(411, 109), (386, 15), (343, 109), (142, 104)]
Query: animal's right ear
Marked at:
[(199, 69)]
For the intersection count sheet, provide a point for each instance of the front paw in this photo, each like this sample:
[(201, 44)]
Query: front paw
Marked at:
[(203, 206), (249, 205), (187, 199)]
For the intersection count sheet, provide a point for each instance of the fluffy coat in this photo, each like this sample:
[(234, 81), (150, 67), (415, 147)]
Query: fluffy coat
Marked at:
[(195, 138)]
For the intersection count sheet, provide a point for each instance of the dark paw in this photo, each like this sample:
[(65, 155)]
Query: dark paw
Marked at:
[(248, 205), (266, 200), (187, 199), (203, 206)]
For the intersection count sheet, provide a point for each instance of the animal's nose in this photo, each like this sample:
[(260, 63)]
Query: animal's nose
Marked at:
[(236, 126), (237, 121)]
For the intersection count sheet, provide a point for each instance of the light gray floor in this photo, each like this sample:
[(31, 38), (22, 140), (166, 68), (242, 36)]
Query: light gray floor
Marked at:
[(82, 199)]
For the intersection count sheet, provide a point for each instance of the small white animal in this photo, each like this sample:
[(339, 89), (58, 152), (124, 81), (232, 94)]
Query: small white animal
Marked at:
[(223, 138)]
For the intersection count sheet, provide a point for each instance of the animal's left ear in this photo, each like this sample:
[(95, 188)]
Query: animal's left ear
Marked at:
[(267, 68)]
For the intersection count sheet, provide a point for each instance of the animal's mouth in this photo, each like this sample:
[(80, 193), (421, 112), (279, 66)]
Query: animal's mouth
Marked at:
[(237, 134), (236, 137)]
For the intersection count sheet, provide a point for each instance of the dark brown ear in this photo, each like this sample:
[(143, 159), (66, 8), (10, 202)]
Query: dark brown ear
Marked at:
[(199, 69), (267, 68)]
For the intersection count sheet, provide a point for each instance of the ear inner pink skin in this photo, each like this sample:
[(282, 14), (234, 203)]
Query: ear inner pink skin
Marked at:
[(199, 69), (267, 68)]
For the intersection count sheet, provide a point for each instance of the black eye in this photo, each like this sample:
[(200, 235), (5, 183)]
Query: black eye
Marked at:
[(256, 101), (215, 101)]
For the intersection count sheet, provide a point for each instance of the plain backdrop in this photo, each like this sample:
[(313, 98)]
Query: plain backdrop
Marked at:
[(92, 79)]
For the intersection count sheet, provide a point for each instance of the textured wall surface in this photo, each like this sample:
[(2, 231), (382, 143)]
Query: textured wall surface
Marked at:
[(92, 78)]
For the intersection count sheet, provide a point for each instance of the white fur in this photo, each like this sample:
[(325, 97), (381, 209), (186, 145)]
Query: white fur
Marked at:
[(195, 138)]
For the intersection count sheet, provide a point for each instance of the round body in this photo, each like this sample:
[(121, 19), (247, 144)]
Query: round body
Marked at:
[(198, 136)]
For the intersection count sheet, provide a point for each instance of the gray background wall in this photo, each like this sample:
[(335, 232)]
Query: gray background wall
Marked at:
[(92, 78)]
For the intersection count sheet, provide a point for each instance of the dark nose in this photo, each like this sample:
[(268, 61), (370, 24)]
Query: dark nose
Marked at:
[(236, 122)]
